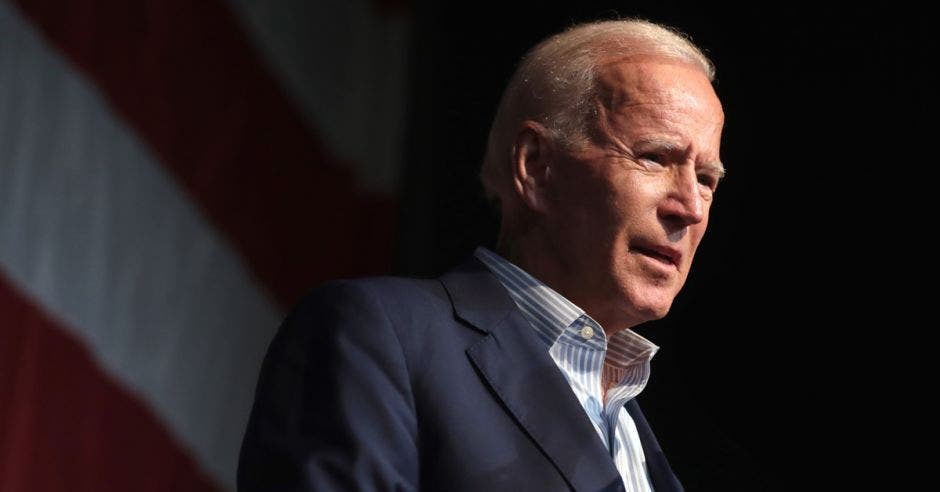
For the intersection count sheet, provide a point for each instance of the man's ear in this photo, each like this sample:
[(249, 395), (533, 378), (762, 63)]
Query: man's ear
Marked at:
[(533, 155)]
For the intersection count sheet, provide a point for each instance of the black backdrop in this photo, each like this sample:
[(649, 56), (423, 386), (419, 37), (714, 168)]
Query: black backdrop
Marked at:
[(777, 363)]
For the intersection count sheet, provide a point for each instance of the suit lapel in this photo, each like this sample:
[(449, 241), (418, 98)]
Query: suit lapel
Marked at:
[(661, 475), (516, 365)]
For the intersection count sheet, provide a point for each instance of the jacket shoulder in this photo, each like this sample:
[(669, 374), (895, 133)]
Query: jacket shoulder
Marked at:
[(363, 306), (396, 297)]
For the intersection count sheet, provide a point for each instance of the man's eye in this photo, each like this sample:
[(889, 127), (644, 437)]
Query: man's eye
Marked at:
[(655, 159), (708, 180)]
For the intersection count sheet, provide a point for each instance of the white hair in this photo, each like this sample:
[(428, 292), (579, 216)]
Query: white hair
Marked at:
[(554, 84)]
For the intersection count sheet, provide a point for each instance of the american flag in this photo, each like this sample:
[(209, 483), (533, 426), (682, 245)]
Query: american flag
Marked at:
[(174, 174)]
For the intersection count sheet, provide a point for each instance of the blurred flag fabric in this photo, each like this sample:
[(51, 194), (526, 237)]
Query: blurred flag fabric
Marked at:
[(174, 174)]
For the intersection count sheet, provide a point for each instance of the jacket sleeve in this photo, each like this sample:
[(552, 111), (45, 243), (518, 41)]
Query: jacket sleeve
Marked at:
[(333, 408)]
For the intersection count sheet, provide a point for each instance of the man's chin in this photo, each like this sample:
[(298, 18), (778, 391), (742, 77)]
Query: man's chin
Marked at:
[(650, 308), (655, 313)]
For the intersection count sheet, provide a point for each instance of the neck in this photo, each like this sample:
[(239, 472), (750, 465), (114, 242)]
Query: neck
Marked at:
[(537, 257)]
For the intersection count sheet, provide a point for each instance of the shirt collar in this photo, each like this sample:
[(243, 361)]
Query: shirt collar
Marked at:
[(548, 311), (552, 315)]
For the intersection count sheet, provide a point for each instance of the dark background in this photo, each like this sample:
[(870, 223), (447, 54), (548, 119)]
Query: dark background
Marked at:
[(778, 363)]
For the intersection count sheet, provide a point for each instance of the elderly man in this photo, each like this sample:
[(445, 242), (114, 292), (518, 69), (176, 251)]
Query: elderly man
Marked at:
[(518, 370)]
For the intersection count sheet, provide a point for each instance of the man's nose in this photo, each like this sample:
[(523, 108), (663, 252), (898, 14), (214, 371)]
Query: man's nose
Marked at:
[(684, 204)]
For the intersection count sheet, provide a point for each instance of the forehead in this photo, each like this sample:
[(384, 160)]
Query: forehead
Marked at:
[(657, 82)]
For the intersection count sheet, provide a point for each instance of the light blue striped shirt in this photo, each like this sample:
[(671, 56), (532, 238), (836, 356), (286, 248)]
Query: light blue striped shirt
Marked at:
[(587, 357)]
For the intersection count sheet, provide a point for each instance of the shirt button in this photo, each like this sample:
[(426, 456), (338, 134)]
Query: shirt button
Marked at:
[(587, 332)]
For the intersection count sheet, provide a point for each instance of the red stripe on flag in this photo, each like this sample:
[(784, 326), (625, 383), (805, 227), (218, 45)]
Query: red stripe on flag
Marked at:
[(65, 425), (186, 77)]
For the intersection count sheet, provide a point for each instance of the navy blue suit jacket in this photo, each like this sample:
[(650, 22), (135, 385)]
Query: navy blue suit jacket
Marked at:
[(404, 384)]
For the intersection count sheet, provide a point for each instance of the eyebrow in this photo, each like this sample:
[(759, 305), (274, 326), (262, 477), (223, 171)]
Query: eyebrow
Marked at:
[(671, 146), (659, 144), (718, 167)]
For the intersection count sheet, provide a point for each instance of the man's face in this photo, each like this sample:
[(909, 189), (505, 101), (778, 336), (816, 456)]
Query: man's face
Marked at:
[(628, 209)]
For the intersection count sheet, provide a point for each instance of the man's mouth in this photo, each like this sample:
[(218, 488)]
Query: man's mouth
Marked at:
[(663, 254)]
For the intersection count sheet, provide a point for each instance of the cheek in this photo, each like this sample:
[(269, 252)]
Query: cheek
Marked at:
[(698, 230), (598, 215)]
